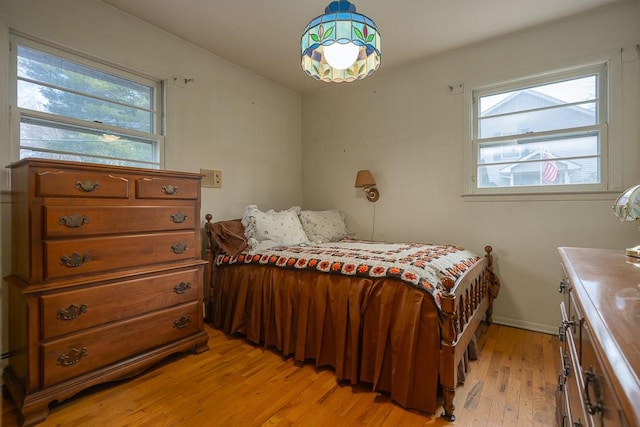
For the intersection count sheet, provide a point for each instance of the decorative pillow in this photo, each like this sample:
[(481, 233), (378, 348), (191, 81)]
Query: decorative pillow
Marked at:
[(281, 227), (324, 226), (229, 235)]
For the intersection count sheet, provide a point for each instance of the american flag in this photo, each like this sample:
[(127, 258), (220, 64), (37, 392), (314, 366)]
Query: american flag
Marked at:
[(550, 172)]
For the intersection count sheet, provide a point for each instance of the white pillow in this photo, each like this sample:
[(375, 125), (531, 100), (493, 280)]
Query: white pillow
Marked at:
[(281, 227), (324, 226)]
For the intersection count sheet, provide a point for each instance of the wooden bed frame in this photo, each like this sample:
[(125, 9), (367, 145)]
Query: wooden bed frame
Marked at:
[(464, 304)]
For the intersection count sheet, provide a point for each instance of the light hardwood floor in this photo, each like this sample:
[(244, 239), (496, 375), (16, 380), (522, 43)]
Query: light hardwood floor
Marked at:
[(512, 383)]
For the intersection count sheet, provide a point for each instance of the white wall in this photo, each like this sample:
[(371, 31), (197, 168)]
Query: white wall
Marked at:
[(405, 126), (227, 119)]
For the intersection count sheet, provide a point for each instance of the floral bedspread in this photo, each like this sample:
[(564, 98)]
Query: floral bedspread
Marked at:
[(419, 265)]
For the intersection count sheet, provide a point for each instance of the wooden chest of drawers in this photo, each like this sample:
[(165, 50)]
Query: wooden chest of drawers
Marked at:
[(599, 384), (106, 280)]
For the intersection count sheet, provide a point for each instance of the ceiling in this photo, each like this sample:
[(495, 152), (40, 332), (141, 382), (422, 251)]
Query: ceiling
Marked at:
[(263, 36)]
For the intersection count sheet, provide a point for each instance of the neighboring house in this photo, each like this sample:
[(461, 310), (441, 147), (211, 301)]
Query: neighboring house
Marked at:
[(555, 171), (526, 169)]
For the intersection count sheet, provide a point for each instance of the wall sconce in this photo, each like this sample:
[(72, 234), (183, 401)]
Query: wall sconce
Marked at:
[(365, 180), (627, 208)]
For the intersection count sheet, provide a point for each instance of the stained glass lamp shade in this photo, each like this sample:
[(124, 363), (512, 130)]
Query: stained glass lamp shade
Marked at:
[(627, 208), (341, 45)]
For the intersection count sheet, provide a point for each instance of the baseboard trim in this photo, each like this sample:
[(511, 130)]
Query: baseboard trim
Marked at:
[(530, 326)]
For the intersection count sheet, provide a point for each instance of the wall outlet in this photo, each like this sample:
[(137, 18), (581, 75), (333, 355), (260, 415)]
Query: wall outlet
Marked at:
[(217, 179), (212, 178)]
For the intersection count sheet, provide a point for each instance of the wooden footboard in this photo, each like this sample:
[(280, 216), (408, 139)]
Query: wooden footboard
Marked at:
[(464, 304)]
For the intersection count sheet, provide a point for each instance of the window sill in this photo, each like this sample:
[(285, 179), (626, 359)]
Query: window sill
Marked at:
[(551, 197)]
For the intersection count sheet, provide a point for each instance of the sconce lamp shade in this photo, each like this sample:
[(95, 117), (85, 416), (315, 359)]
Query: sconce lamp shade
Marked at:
[(627, 208), (341, 45), (364, 179)]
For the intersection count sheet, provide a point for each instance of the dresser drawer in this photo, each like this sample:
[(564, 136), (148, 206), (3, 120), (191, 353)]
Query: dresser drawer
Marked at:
[(70, 257), (70, 183), (577, 415), (600, 401), (72, 311), (167, 188), (575, 321), (66, 221), (562, 396), (590, 396), (563, 415), (99, 347), (562, 406)]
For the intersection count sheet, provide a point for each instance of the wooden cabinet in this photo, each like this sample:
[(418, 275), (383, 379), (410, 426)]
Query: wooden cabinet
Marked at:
[(600, 351), (106, 280)]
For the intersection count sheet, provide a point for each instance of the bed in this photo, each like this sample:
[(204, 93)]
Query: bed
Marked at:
[(367, 309)]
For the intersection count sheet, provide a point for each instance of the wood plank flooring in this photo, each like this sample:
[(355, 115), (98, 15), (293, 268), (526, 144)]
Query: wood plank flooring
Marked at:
[(512, 383)]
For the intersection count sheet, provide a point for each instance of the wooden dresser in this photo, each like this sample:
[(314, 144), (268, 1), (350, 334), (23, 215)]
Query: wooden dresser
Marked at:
[(600, 333), (106, 280)]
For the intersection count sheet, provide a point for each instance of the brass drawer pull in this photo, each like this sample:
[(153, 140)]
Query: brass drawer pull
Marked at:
[(72, 312), (178, 217), (563, 286), (87, 186), (169, 189), (179, 248), (75, 260), (73, 357), (73, 220), (564, 325), (591, 379), (566, 369), (561, 381), (182, 287), (182, 322)]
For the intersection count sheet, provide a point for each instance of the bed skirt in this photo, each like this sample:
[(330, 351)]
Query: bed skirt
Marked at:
[(376, 331)]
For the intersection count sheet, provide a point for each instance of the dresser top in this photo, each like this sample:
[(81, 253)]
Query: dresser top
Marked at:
[(607, 284), (63, 164)]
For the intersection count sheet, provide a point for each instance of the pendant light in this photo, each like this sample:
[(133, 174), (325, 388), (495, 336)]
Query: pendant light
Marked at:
[(341, 45)]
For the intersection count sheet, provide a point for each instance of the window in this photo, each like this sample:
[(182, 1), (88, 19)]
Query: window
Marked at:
[(72, 108), (544, 134)]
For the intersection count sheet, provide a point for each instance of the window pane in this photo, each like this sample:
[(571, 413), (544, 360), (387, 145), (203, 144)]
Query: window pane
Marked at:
[(577, 90), (559, 117), (72, 141), (49, 100), (55, 71), (570, 160), (532, 134), (537, 174), (78, 109), (24, 154)]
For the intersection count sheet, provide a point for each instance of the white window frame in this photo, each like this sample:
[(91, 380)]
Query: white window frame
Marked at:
[(610, 155), (17, 113)]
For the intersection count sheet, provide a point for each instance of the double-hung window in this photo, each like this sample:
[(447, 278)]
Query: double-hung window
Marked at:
[(543, 134), (73, 108)]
